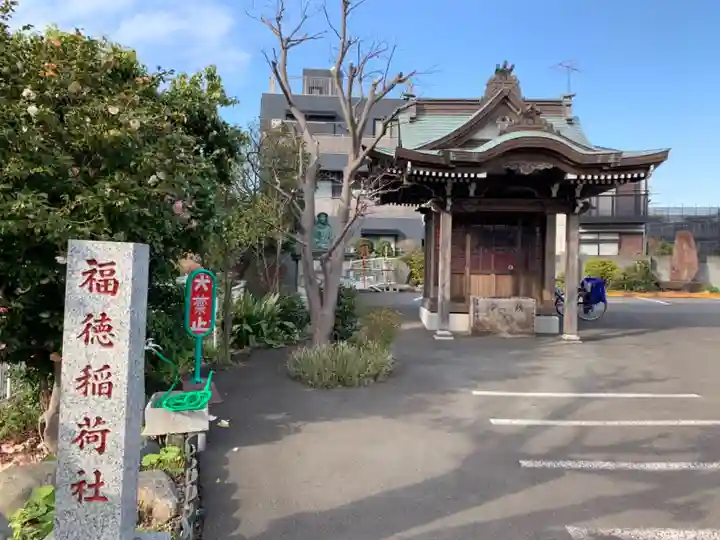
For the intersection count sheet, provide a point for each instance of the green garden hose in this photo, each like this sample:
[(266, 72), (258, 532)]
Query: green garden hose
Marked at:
[(185, 401)]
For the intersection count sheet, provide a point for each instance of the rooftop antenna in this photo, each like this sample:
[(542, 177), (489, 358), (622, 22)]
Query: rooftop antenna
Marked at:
[(570, 67)]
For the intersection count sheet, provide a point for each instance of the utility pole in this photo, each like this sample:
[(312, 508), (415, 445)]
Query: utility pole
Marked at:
[(570, 67)]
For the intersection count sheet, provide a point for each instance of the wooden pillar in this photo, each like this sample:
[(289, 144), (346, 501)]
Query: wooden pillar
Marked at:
[(431, 255), (572, 277), (427, 254), (548, 285), (444, 275)]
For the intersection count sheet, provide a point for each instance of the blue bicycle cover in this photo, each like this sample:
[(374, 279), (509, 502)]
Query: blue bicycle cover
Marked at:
[(597, 289)]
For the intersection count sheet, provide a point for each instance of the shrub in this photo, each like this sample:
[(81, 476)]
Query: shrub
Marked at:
[(560, 280), (165, 327), (416, 262), (637, 277), (170, 459), (712, 289), (340, 364), (604, 269), (364, 247), (19, 414), (380, 326), (385, 249), (663, 248), (346, 317), (261, 323), (292, 309), (34, 521)]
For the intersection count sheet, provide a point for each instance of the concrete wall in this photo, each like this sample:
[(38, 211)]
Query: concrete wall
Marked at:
[(708, 274)]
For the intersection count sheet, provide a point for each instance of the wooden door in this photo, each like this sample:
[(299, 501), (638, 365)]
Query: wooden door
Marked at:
[(506, 256)]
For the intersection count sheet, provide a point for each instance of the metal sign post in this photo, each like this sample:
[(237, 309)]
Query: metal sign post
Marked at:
[(200, 300)]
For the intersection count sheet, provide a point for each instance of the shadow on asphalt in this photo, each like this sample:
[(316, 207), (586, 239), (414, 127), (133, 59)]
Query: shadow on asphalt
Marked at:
[(265, 407)]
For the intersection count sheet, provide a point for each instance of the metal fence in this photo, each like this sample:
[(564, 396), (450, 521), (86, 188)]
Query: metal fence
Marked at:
[(372, 273), (4, 381)]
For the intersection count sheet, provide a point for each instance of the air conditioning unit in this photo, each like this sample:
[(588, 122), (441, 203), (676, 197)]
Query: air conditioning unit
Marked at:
[(276, 123)]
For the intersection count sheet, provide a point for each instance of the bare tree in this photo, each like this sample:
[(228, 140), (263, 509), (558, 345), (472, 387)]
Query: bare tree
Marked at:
[(361, 78)]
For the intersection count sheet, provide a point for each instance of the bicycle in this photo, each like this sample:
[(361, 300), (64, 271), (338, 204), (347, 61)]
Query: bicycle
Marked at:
[(591, 302)]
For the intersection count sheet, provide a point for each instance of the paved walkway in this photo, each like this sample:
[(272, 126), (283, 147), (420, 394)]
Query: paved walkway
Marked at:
[(422, 457)]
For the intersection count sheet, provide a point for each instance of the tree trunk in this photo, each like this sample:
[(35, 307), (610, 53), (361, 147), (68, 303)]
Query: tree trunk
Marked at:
[(49, 422), (227, 309), (325, 322)]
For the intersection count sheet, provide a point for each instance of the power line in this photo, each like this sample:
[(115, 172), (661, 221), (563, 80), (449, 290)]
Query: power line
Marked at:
[(570, 67)]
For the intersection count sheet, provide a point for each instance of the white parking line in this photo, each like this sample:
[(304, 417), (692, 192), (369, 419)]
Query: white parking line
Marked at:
[(589, 395), (602, 423), (654, 466), (655, 300), (582, 533)]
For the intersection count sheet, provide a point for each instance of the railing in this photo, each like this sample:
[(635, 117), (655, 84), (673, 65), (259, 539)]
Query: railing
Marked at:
[(333, 137), (4, 381), (675, 212), (619, 205)]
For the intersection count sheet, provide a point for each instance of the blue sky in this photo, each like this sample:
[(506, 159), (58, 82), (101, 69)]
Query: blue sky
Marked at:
[(650, 69)]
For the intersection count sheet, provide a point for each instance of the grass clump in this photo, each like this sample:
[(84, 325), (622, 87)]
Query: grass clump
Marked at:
[(340, 364), (361, 360)]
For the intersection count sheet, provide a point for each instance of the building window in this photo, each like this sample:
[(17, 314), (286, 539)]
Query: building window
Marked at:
[(393, 128), (600, 244), (337, 186)]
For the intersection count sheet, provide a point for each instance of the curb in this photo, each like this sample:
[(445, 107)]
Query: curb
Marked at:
[(618, 294)]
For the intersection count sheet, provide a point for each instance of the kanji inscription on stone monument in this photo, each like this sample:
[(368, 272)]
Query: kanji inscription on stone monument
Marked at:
[(103, 392)]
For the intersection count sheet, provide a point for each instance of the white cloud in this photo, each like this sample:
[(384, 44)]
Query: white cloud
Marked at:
[(174, 35)]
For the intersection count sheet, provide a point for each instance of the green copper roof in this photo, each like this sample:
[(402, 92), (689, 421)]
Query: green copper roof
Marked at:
[(428, 128), (542, 134)]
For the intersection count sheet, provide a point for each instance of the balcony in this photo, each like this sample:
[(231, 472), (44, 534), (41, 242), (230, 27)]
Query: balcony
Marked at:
[(333, 137), (618, 208)]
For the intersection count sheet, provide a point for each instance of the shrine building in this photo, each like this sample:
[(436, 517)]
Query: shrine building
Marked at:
[(490, 176)]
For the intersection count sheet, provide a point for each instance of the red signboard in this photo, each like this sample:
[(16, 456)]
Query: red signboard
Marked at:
[(200, 303)]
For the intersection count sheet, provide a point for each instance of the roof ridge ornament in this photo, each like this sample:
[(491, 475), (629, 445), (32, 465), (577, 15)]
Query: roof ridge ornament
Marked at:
[(504, 71), (503, 78), (530, 119)]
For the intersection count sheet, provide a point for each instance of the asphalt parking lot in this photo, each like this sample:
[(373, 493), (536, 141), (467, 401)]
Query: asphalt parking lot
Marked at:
[(478, 438)]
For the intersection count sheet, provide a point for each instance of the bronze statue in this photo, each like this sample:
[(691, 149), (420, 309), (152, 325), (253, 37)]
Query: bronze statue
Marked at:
[(504, 71), (322, 232)]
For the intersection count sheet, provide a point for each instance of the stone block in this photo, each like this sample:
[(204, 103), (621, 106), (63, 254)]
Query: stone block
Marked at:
[(159, 421), (103, 390), (503, 316)]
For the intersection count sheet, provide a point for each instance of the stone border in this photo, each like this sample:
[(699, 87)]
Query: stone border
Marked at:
[(191, 512), (622, 294)]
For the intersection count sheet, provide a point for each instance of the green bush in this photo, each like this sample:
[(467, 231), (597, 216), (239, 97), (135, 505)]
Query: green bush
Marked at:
[(364, 246), (560, 280), (416, 262), (346, 316), (712, 289), (380, 326), (19, 414), (340, 364), (604, 269), (637, 277), (34, 521), (166, 327), (170, 459), (292, 309), (262, 322), (385, 249)]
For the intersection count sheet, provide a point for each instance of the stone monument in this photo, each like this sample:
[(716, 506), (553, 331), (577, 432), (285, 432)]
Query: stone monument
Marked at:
[(103, 392), (684, 264), (503, 316), (322, 233)]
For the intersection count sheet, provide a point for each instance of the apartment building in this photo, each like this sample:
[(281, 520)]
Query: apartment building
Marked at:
[(322, 109)]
